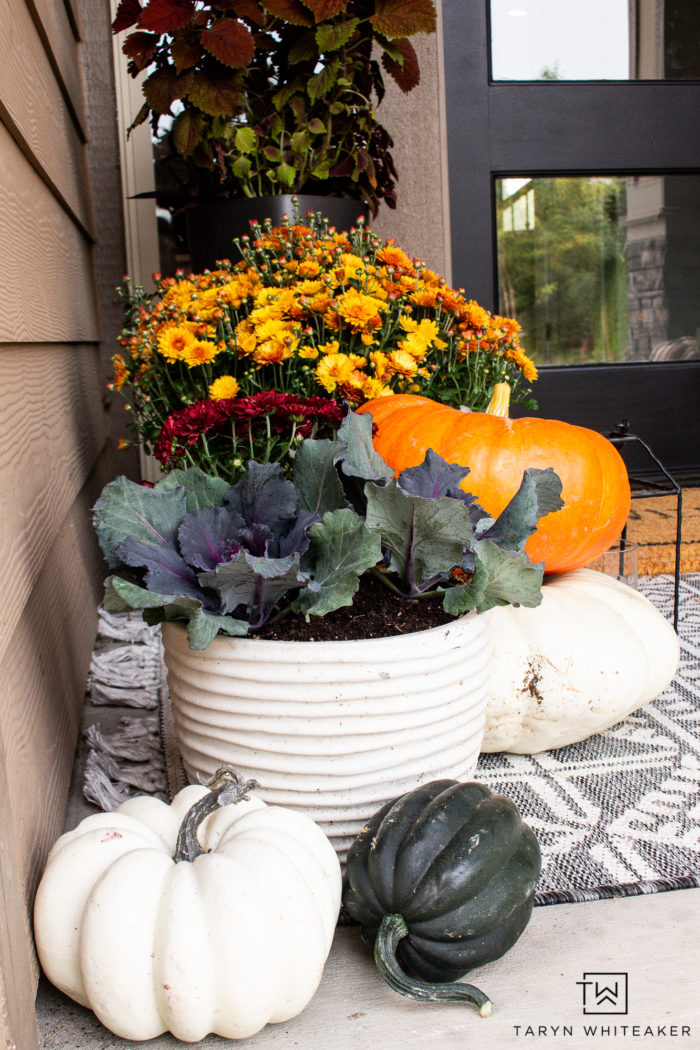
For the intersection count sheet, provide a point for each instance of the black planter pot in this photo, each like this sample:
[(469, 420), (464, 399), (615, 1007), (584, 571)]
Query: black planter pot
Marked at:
[(212, 227)]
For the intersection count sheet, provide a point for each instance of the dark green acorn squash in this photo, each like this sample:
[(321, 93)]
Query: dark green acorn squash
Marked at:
[(442, 880)]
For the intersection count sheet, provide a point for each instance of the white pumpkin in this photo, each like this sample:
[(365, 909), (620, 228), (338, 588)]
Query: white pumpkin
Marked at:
[(129, 922), (592, 652)]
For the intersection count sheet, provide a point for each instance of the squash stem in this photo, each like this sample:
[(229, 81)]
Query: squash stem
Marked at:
[(500, 401), (392, 930), (225, 787)]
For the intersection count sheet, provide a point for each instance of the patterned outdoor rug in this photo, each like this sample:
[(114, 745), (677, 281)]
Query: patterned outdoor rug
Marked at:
[(617, 815)]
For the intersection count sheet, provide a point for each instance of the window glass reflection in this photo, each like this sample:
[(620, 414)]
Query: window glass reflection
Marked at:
[(595, 39), (601, 269)]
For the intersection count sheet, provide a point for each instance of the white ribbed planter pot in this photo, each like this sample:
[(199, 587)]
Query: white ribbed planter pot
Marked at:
[(334, 729)]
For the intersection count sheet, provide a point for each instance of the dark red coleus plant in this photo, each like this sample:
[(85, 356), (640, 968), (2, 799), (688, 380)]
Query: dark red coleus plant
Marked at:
[(276, 96)]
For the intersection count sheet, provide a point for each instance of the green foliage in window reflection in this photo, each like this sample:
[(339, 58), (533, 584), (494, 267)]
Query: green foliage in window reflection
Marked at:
[(562, 267)]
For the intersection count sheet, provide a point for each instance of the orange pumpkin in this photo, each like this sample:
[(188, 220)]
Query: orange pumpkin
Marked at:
[(595, 486)]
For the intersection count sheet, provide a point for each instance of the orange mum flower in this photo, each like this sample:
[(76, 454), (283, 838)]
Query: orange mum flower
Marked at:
[(402, 363), (120, 371), (395, 257), (357, 309), (478, 317), (425, 297)]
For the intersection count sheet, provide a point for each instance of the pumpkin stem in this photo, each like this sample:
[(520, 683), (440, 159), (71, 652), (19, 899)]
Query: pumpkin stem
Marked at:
[(392, 930), (500, 401), (225, 787)]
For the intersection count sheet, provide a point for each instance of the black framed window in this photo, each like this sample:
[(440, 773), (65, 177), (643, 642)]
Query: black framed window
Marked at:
[(595, 40), (509, 141)]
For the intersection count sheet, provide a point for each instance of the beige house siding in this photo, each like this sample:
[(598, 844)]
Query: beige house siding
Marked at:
[(58, 169)]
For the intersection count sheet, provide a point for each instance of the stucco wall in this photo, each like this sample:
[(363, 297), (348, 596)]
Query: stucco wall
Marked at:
[(417, 124)]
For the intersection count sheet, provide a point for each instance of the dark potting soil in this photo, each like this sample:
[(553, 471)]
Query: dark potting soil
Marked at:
[(376, 612)]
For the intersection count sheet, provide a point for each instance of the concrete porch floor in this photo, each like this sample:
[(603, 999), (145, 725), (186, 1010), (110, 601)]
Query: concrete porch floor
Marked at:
[(536, 987)]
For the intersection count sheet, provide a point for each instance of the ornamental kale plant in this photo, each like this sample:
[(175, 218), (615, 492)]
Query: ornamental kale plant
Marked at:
[(232, 558)]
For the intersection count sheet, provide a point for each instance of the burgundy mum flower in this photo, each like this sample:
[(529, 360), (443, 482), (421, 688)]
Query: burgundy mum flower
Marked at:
[(248, 414)]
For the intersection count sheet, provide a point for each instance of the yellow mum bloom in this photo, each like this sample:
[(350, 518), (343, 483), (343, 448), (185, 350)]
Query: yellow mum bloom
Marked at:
[(375, 288), (331, 319), (353, 266), (373, 387), (266, 296), (308, 268), (310, 353), (223, 387), (200, 353), (415, 345), (245, 339), (319, 303), (207, 302), (308, 287), (299, 309), (425, 331), (273, 352), (274, 329), (429, 330), (354, 387), (358, 309), (402, 363), (174, 341), (380, 362), (277, 301), (332, 370), (329, 348), (179, 295), (263, 314), (233, 293)]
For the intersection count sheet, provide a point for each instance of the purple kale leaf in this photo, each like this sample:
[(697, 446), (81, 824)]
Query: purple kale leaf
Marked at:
[(435, 477), (166, 571), (264, 496), (251, 587), (539, 494), (206, 537)]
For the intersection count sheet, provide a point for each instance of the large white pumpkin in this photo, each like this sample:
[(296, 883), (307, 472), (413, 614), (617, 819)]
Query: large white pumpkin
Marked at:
[(592, 652), (224, 943)]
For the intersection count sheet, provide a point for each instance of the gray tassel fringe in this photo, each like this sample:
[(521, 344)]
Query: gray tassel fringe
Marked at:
[(126, 671)]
